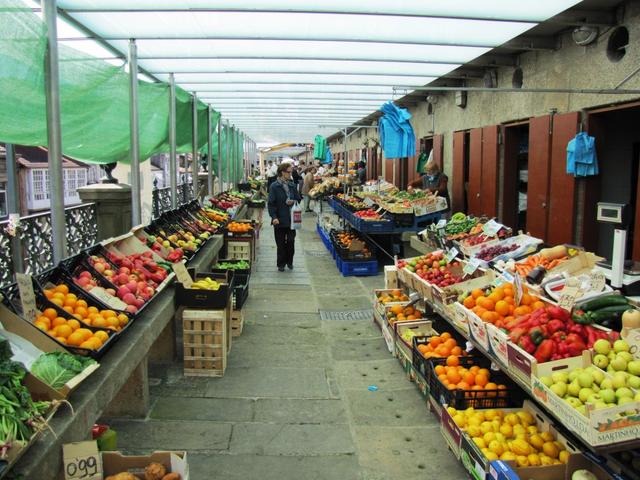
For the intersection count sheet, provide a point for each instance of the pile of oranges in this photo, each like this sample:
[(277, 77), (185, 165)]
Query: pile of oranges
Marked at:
[(392, 297), (89, 315), (398, 313), (456, 377), (239, 227), (498, 307), (70, 332), (442, 346)]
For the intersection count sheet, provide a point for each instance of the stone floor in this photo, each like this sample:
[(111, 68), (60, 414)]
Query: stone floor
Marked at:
[(294, 402)]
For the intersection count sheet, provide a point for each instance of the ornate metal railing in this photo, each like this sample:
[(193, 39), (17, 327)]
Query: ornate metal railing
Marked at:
[(185, 192), (161, 197), (32, 247)]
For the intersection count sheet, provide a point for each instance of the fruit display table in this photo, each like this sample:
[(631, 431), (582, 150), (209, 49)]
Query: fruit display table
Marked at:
[(122, 385)]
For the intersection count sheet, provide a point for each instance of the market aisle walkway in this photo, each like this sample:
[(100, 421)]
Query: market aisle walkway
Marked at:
[(294, 403)]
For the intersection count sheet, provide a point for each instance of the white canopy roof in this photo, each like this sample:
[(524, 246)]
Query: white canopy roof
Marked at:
[(280, 69)]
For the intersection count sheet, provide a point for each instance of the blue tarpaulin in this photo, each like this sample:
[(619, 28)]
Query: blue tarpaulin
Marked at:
[(396, 133), (329, 157), (581, 156)]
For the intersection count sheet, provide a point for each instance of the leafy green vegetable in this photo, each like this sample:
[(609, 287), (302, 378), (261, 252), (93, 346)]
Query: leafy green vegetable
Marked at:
[(57, 368), (241, 265)]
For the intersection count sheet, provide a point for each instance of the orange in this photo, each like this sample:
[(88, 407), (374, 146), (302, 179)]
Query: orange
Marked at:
[(463, 386), (453, 361), (502, 307), (112, 322), (50, 313), (102, 335), (75, 339), (494, 298), (81, 312), (485, 372), (537, 304), (63, 331), (69, 302), (456, 351), (62, 340), (397, 309), (87, 344), (41, 325), (408, 311), (486, 303), (57, 301), (474, 369), (74, 324), (479, 310), (435, 341), (62, 288), (422, 348), (443, 378), (439, 369), (92, 309), (521, 310), (499, 292), (58, 321), (68, 310), (48, 293), (450, 343), (453, 376), (99, 322), (72, 295), (81, 303), (481, 380), (526, 299), (488, 317), (469, 378), (469, 302), (445, 336), (477, 293), (44, 319), (86, 333), (509, 299), (59, 295)]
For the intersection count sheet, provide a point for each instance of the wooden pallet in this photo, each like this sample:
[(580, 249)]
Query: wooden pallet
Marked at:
[(205, 342), (237, 322)]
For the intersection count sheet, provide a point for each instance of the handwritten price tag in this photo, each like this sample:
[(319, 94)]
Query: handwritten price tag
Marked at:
[(27, 296), (471, 266), (441, 223), (517, 282), (597, 281), (451, 254), (568, 298), (113, 302), (182, 275), (491, 228), (368, 202), (82, 461)]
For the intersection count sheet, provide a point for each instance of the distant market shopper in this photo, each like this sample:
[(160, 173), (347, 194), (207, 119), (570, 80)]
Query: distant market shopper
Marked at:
[(283, 194), (309, 182), (271, 173), (434, 181)]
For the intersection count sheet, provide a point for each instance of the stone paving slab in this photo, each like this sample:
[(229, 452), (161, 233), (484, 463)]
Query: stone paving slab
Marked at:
[(360, 349), (250, 467), (284, 319), (244, 354), (172, 435), (284, 439), (407, 453), (285, 411), (351, 330), (294, 301), (293, 336), (345, 302), (271, 382), (393, 408), (358, 375), (208, 409)]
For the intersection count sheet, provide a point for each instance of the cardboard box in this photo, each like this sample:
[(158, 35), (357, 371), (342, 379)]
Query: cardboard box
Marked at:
[(421, 328), (580, 462), (478, 330), (115, 462), (457, 314), (481, 278), (499, 343), (381, 307), (597, 428)]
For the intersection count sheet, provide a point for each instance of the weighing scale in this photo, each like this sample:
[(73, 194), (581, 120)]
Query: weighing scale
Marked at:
[(621, 273)]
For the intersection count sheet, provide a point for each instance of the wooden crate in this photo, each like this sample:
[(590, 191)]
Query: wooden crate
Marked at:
[(237, 322), (241, 249), (205, 342)]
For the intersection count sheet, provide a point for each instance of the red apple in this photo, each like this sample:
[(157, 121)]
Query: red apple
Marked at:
[(131, 309), (132, 286), (129, 299)]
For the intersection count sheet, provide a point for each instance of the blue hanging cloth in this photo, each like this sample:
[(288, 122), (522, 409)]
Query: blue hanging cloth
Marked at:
[(582, 160), (396, 133), (329, 156), (319, 148)]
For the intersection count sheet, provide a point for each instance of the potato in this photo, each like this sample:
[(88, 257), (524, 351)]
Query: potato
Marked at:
[(154, 471), (172, 476)]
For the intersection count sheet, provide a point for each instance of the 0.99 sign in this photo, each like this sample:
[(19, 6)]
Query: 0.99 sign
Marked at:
[(81, 468)]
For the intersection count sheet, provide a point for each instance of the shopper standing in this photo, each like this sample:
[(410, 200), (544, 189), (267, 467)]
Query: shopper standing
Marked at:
[(282, 195), (271, 173), (362, 173), (307, 185)]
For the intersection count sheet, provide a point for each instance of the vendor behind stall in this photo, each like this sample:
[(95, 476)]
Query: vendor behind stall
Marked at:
[(433, 181)]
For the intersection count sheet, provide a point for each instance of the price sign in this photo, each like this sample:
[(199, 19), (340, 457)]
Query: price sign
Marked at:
[(441, 223), (517, 282), (27, 296), (182, 275), (491, 228), (597, 281), (451, 254), (471, 266), (82, 461), (568, 298), (368, 202), (113, 302)]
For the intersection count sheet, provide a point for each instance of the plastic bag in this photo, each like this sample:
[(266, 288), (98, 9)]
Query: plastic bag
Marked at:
[(296, 217)]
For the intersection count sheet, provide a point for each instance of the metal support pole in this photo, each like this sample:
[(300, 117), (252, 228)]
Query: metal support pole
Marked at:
[(194, 147), (219, 172), (209, 153), (228, 155), (173, 156), (54, 134), (13, 206), (346, 161), (134, 132)]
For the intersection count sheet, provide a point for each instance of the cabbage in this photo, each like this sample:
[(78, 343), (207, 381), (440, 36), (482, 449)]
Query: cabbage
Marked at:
[(57, 368)]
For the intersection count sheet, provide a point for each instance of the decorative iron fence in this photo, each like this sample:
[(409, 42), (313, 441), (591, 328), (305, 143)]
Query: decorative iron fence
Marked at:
[(161, 197), (32, 246)]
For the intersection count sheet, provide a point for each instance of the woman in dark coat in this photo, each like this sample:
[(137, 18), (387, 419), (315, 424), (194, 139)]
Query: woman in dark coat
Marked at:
[(283, 193)]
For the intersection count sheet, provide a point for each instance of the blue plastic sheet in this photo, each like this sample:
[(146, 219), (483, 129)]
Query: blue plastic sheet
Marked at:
[(397, 137), (582, 160)]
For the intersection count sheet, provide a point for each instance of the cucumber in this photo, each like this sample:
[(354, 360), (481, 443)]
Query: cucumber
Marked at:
[(611, 312), (606, 301)]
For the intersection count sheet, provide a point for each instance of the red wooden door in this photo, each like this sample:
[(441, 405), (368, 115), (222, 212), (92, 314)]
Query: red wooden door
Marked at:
[(438, 143), (562, 191), (378, 156), (457, 173), (474, 190), (539, 171), (509, 198), (489, 193), (388, 165)]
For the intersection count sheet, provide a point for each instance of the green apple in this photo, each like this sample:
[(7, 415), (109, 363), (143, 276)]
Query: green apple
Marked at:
[(560, 377), (602, 346), (633, 367), (620, 346), (607, 395), (601, 361), (574, 388), (594, 398), (619, 364), (560, 389), (574, 402), (574, 374), (619, 380), (584, 394), (625, 401), (595, 387), (623, 392), (606, 383), (611, 355), (585, 380), (600, 405), (547, 381), (582, 410), (637, 397), (597, 374), (626, 355), (633, 382)]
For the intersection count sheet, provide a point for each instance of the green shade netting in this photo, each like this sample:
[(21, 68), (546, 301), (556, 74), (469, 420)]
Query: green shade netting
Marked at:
[(94, 98)]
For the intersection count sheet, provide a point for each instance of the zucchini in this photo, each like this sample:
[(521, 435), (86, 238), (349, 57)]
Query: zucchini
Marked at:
[(613, 311), (606, 301)]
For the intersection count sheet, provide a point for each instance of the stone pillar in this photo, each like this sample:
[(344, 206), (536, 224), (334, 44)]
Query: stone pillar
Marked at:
[(133, 399), (113, 207)]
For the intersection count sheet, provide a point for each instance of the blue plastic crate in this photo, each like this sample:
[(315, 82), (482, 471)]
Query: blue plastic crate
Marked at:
[(362, 269)]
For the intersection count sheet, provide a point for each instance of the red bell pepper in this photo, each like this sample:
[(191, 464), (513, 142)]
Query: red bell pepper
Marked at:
[(545, 350), (527, 344), (559, 313)]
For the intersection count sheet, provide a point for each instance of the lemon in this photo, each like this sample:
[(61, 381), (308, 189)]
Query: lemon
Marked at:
[(512, 419), (563, 456), (479, 442), (489, 437), (534, 459), (546, 460), (550, 449), (522, 461), (507, 430), (496, 447), (506, 456), (460, 420), (486, 427), (474, 431), (491, 456), (547, 436), (519, 430), (526, 418)]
